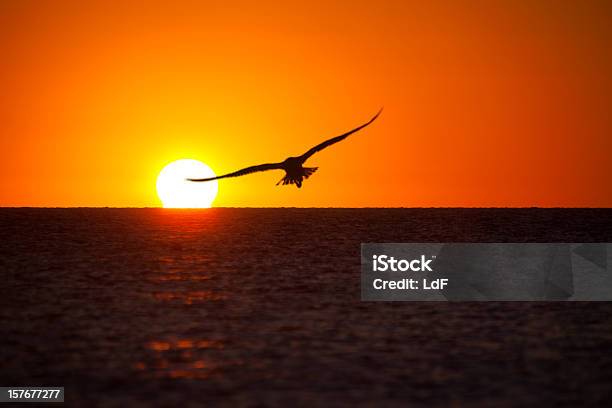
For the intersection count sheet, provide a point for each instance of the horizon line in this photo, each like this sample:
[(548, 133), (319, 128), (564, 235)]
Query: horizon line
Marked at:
[(294, 207)]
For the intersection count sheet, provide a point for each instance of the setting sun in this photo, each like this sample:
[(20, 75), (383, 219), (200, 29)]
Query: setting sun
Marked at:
[(175, 191)]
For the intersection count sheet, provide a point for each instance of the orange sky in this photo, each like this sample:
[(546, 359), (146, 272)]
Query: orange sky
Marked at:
[(487, 103)]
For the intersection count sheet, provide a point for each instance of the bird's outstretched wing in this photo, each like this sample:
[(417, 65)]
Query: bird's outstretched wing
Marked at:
[(247, 170), (336, 139)]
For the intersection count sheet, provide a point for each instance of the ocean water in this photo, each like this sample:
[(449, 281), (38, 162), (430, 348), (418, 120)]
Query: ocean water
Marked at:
[(261, 307)]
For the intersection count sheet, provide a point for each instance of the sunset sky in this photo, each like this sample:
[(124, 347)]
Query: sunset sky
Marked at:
[(487, 103)]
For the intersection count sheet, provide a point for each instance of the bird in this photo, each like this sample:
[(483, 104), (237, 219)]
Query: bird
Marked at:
[(295, 173)]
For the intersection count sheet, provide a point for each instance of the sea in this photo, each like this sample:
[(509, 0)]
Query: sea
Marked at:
[(262, 307)]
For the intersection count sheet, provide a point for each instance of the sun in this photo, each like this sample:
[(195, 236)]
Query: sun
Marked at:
[(175, 191)]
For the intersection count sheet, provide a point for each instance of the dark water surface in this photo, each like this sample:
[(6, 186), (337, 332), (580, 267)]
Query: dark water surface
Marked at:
[(128, 307)]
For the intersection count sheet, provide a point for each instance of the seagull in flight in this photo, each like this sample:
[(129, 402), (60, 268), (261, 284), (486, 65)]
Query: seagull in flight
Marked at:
[(295, 173)]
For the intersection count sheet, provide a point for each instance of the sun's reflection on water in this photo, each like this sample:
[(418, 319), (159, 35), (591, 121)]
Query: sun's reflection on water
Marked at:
[(188, 298), (187, 277), (157, 345), (180, 358)]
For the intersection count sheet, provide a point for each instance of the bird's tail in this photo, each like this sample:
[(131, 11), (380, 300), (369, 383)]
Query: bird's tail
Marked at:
[(309, 171), (305, 173)]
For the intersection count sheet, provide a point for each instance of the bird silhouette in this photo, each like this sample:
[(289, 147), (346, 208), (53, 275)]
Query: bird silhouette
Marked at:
[(295, 173)]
